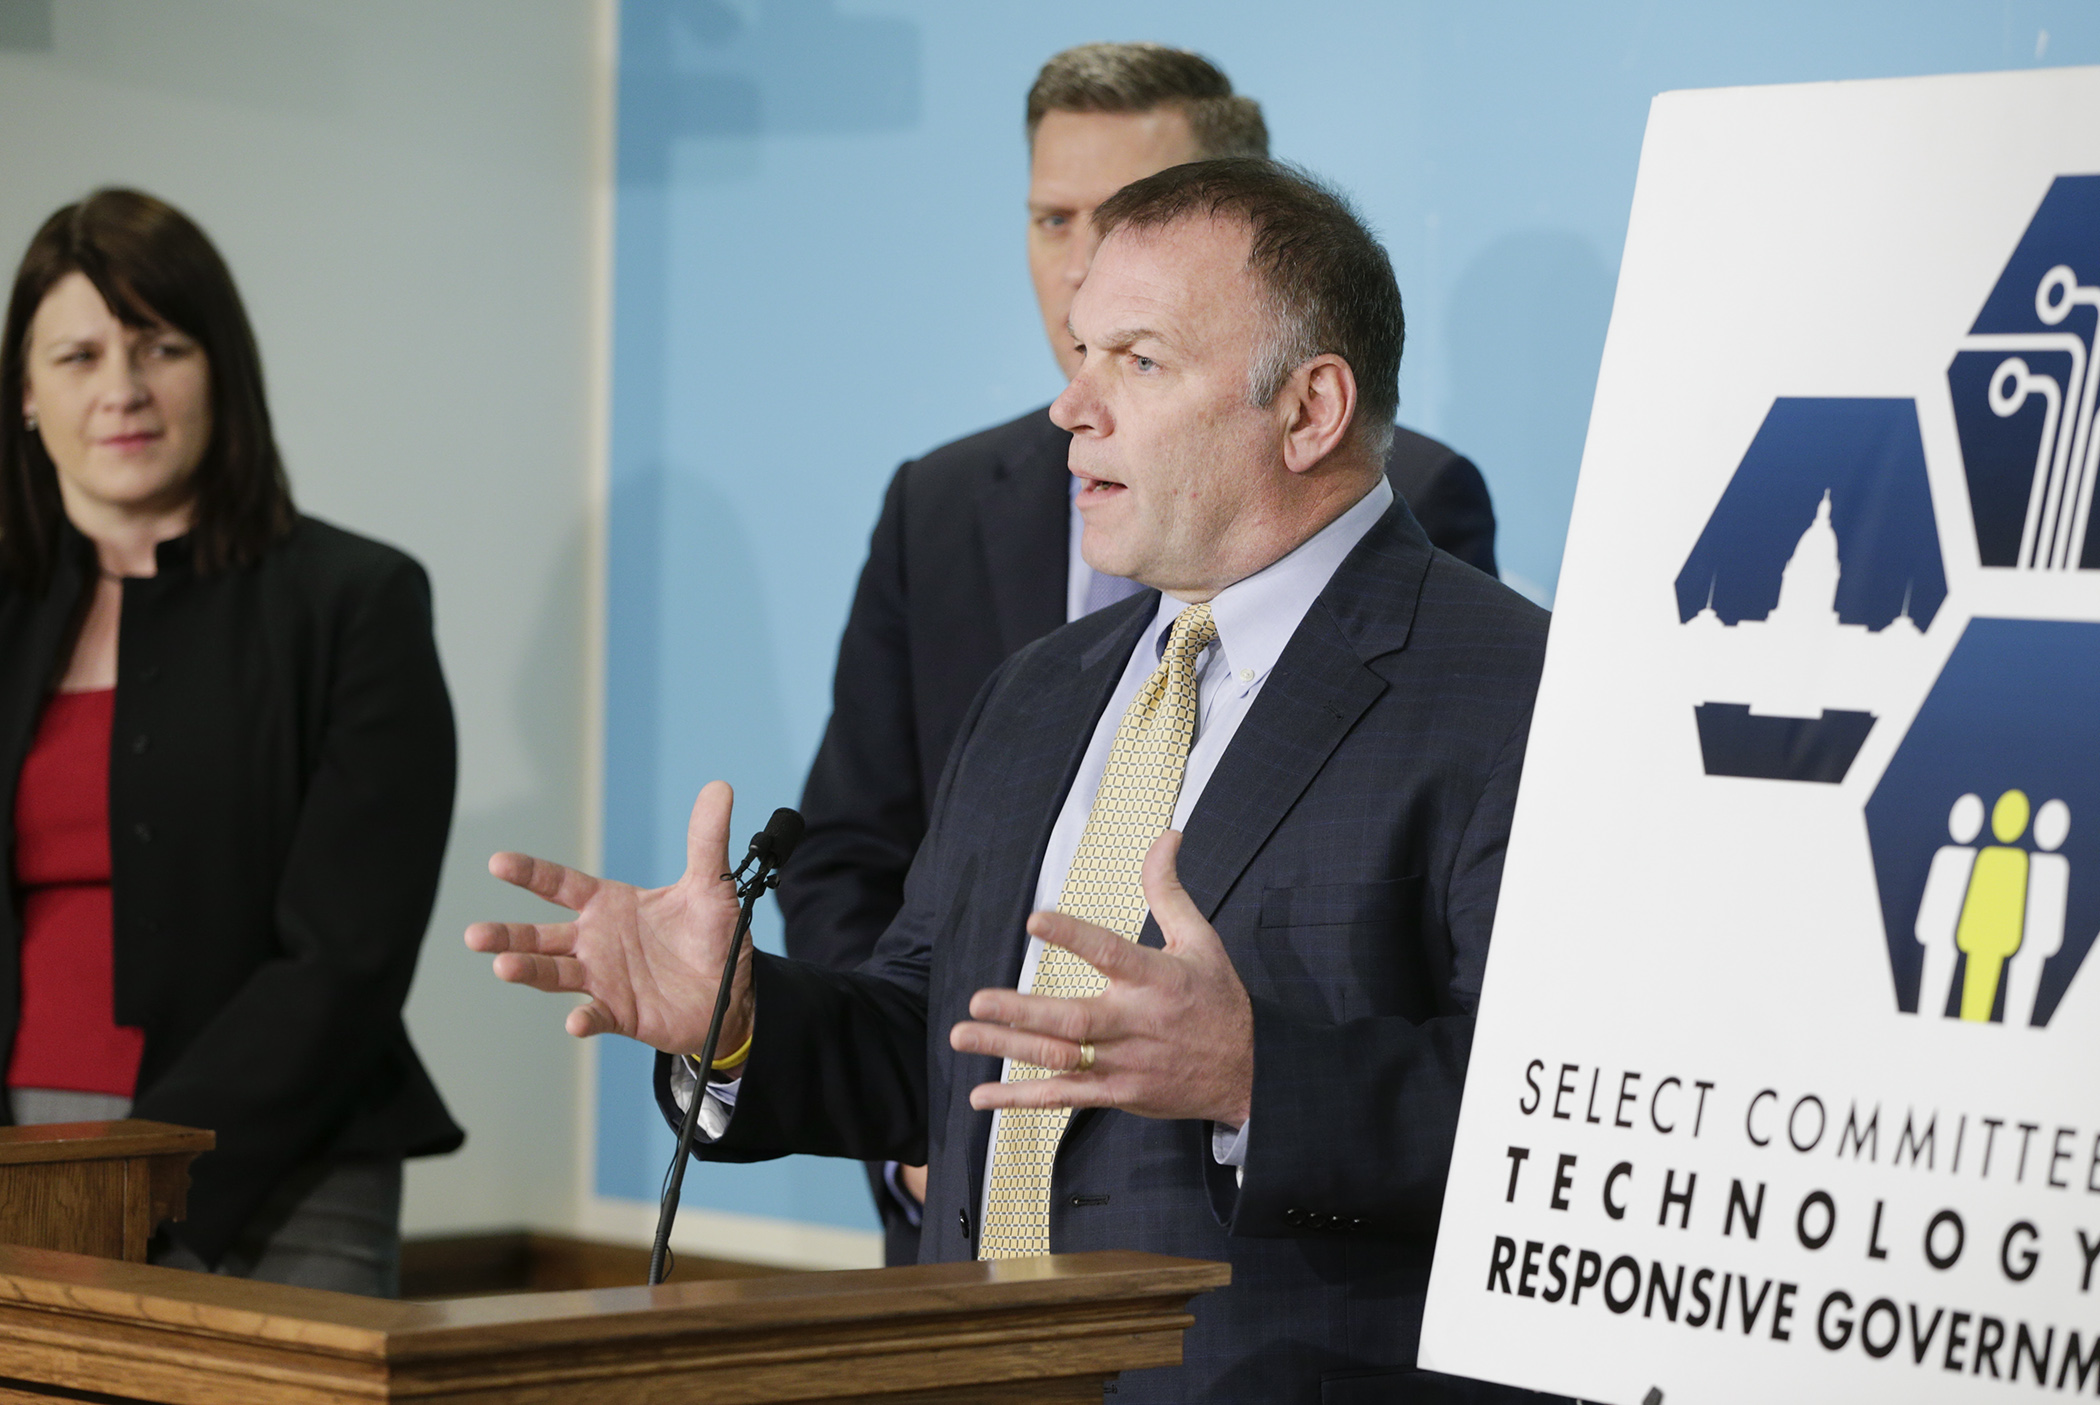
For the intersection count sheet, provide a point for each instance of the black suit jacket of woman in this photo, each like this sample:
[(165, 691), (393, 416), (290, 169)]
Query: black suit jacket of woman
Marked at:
[(281, 776)]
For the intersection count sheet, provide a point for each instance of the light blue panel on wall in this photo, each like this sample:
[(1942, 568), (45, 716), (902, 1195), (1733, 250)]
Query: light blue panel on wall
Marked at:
[(819, 273)]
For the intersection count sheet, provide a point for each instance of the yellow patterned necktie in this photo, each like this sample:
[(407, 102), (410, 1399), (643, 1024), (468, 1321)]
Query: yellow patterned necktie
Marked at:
[(1105, 886)]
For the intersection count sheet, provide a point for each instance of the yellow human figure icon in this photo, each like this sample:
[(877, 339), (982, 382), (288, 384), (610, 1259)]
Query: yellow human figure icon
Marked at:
[(1995, 910)]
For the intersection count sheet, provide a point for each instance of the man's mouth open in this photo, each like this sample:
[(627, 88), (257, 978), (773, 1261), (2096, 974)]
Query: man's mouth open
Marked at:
[(1097, 490)]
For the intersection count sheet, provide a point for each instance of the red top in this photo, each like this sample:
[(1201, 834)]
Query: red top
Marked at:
[(69, 1037)]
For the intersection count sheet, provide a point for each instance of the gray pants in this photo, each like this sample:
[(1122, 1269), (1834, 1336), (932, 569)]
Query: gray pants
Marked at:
[(333, 1225)]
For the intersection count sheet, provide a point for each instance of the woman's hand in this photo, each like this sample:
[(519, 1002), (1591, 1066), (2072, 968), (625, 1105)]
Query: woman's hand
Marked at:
[(649, 959)]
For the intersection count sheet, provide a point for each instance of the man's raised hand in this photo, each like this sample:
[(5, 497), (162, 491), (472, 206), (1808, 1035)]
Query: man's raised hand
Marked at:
[(649, 959), (1172, 1036)]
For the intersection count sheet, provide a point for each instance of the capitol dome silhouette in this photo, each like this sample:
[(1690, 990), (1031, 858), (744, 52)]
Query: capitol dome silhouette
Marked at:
[(1808, 584)]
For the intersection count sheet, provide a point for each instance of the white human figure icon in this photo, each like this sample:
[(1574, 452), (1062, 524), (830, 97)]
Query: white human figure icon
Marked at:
[(1939, 910), (2042, 936)]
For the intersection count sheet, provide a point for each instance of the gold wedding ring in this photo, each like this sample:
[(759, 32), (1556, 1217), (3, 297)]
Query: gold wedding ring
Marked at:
[(1086, 1057)]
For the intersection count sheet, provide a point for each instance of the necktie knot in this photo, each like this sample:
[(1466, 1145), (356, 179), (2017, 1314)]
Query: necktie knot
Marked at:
[(1192, 632)]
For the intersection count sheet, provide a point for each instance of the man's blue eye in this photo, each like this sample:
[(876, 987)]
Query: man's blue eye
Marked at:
[(1146, 363)]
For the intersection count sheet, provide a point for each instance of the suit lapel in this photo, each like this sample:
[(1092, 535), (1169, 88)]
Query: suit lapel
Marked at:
[(1044, 759), (1046, 756), (1024, 511), (1320, 687)]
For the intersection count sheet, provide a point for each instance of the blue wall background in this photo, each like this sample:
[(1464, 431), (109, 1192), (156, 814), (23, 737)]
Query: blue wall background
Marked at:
[(819, 273)]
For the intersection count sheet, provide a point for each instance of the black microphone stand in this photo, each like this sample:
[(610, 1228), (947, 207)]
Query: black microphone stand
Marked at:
[(749, 891)]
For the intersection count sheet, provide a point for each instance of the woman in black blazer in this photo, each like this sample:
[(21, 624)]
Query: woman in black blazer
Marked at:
[(279, 761)]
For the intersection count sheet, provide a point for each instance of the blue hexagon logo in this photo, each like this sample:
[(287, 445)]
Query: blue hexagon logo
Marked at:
[(2023, 384), (1812, 580), (1822, 557), (1985, 828)]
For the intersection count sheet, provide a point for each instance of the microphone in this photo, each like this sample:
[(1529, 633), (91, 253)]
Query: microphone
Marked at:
[(772, 845), (769, 849)]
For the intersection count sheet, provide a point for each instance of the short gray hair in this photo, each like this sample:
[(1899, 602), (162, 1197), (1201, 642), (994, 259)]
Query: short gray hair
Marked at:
[(1326, 279), (1141, 77)]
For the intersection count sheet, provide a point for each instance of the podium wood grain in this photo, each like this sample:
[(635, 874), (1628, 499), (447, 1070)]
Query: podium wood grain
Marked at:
[(94, 1187), (1021, 1332)]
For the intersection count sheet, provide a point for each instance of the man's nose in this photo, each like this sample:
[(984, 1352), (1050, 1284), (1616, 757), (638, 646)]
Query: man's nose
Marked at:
[(1078, 409)]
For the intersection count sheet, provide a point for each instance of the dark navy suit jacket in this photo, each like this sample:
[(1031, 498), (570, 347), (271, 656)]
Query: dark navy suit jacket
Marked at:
[(968, 564), (1348, 848)]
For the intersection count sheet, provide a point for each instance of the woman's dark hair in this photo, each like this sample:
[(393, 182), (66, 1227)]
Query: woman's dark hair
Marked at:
[(154, 267)]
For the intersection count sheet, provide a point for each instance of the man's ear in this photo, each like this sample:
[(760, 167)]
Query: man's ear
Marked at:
[(1321, 402)]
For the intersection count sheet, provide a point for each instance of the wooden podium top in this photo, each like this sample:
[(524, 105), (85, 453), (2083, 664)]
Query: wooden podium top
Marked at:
[(98, 1141), (1033, 1330)]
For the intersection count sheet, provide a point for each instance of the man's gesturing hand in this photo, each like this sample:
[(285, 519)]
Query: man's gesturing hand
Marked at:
[(1173, 1035), (650, 960)]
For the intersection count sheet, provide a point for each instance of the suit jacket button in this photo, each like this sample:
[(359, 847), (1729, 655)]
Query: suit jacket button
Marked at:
[(143, 832), (1294, 1217), (1358, 1224), (148, 673), (962, 1221), (138, 745)]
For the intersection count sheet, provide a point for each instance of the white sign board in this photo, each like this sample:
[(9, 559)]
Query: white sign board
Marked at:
[(1787, 1083)]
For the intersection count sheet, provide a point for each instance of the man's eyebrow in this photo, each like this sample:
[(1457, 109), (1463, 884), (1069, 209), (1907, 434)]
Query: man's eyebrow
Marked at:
[(1123, 338)]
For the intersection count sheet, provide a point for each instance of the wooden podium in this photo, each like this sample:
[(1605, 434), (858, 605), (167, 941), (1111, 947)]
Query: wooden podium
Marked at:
[(1033, 1331), (94, 1187)]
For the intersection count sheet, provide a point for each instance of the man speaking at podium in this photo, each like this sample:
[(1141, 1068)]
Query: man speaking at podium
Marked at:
[(1189, 960), (974, 554)]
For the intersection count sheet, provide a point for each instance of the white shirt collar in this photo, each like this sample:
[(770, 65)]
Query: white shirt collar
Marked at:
[(1256, 617)]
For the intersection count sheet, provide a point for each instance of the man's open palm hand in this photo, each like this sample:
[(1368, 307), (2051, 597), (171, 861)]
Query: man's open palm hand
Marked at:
[(649, 959), (1172, 1035)]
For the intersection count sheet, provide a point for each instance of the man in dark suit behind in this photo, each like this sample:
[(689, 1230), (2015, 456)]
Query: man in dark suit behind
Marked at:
[(973, 555), (1320, 717)]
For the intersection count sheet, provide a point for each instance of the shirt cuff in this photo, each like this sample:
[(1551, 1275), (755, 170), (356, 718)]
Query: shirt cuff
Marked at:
[(894, 1183), (1228, 1145), (715, 1108)]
